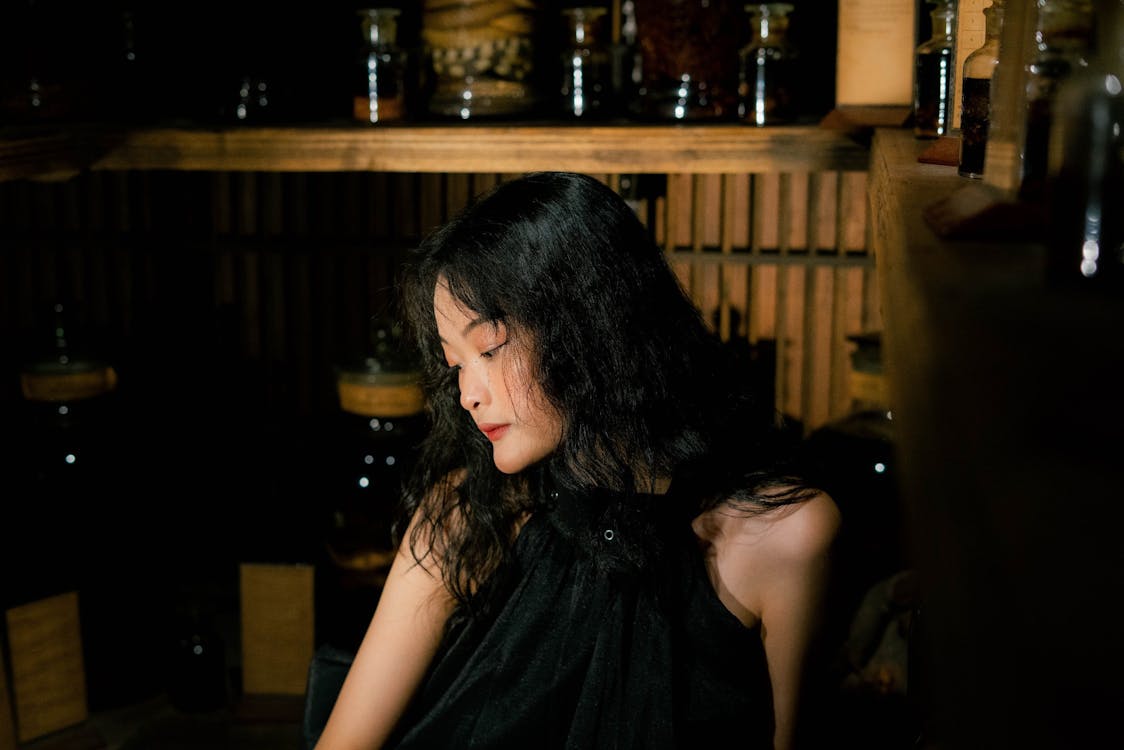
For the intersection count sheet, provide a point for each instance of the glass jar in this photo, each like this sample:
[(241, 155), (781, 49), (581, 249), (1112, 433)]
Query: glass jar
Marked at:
[(586, 64), (1063, 37), (767, 70), (369, 449), (689, 60), (380, 84), (933, 80), (628, 62), (481, 57), (979, 69), (1086, 167)]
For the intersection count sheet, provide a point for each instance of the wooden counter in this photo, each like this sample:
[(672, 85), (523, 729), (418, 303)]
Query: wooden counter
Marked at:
[(1008, 394)]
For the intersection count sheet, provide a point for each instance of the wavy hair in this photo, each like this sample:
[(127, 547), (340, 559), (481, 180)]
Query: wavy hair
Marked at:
[(644, 388)]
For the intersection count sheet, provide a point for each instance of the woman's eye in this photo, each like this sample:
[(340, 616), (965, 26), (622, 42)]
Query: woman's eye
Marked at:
[(488, 354)]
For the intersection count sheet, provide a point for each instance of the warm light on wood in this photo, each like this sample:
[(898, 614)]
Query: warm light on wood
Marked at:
[(692, 149), (48, 673), (277, 618)]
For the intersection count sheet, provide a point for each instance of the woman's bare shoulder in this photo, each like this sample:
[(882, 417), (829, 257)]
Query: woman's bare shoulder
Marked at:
[(755, 557), (800, 530)]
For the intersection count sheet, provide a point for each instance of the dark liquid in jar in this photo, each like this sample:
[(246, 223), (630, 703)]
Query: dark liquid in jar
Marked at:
[(974, 125), (932, 105)]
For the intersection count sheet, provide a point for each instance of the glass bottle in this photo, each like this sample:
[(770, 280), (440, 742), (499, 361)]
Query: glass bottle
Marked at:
[(767, 67), (933, 79), (979, 69), (1086, 166), (628, 62), (380, 84), (586, 64), (1063, 36), (482, 57), (689, 60)]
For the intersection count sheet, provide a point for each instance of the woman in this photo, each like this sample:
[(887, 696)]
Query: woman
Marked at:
[(607, 545)]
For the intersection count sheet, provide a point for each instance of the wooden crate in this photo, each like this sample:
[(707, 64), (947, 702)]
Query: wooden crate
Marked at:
[(48, 672), (277, 619)]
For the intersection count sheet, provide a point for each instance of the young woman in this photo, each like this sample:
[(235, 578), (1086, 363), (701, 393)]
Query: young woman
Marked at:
[(608, 545)]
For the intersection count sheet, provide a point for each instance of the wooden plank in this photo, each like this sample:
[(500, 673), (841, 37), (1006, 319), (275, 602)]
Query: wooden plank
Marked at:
[(681, 149), (48, 672), (44, 154), (277, 618)]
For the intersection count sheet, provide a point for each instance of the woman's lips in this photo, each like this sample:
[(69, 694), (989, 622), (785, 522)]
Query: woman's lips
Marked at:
[(493, 431)]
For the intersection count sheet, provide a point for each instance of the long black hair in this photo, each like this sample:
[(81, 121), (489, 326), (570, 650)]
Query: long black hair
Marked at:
[(643, 387)]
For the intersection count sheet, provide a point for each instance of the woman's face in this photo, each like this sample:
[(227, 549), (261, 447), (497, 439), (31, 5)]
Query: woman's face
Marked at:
[(493, 367)]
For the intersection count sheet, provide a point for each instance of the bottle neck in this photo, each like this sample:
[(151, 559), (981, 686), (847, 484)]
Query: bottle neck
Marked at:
[(583, 25), (380, 29), (767, 28), (993, 21), (944, 23)]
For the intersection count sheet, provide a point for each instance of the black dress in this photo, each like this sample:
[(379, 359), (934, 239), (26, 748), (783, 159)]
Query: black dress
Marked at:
[(594, 637)]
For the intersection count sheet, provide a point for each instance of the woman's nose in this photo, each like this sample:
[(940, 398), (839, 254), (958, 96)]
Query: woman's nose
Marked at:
[(473, 389)]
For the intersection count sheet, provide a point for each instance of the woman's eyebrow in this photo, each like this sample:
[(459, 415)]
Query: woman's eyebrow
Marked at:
[(473, 324), (467, 329)]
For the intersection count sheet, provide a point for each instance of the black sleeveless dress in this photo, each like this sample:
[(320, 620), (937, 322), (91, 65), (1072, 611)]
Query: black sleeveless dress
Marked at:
[(594, 637)]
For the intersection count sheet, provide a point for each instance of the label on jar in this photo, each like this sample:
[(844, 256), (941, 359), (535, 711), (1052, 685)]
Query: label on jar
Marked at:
[(67, 386), (874, 52), (371, 400)]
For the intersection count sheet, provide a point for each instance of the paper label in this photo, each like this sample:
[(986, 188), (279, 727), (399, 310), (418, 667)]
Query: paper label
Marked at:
[(874, 62)]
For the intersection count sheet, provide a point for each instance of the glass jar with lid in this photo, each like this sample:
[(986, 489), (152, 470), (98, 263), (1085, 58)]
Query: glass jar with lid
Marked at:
[(586, 63), (369, 450), (481, 57), (380, 81), (689, 60), (933, 79), (766, 73)]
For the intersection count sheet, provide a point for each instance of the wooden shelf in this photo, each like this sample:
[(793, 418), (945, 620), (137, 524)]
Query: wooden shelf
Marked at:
[(697, 149), (47, 153)]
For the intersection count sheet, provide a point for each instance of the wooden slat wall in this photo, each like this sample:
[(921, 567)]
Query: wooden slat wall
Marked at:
[(298, 261), (785, 256)]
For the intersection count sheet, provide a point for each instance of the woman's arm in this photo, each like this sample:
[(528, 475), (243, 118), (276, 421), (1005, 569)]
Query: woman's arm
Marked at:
[(775, 570), (398, 647)]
